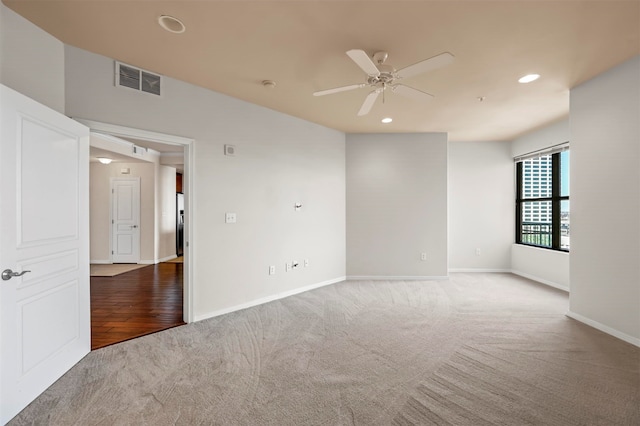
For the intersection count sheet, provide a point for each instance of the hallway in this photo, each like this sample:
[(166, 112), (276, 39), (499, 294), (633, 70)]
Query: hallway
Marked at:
[(135, 303)]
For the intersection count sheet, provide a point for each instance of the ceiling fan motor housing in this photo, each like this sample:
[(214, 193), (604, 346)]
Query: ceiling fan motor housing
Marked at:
[(380, 57), (381, 76), (387, 72)]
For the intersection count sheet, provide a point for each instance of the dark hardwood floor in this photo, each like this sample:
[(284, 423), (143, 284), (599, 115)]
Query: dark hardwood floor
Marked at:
[(135, 303)]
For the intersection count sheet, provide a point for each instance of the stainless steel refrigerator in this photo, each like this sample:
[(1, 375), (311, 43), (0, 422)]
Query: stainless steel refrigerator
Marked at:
[(179, 223)]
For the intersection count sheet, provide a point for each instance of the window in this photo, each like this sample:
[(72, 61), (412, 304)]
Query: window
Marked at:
[(542, 200)]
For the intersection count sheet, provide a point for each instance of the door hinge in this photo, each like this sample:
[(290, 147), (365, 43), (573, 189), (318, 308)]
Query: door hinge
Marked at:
[(112, 252), (113, 191), (113, 221)]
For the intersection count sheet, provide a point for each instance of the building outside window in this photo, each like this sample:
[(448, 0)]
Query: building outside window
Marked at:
[(542, 201)]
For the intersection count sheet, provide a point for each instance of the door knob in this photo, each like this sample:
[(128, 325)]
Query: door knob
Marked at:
[(134, 226), (7, 274)]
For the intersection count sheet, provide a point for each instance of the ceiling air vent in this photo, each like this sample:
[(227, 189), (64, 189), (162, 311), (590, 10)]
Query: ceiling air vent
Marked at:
[(135, 78)]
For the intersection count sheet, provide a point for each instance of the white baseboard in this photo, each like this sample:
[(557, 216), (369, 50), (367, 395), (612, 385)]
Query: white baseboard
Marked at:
[(395, 278), (101, 262), (267, 299), (604, 328), (541, 280), (480, 270), (164, 259), (146, 262)]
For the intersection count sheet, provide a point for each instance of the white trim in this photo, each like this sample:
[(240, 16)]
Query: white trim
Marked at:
[(480, 270), (268, 299), (395, 278), (188, 188), (164, 259), (100, 262), (541, 280), (146, 262), (606, 329), (128, 132), (112, 139)]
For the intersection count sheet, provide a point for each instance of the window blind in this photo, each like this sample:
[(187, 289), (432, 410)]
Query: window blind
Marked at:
[(546, 151)]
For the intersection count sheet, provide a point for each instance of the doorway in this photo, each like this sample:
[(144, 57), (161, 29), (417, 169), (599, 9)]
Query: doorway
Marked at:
[(168, 146)]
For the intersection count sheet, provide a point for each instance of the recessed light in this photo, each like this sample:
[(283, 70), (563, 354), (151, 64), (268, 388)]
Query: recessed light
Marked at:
[(171, 24), (105, 160), (387, 120), (528, 78)]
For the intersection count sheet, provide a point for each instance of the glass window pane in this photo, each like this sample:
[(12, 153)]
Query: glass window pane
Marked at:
[(536, 183), (564, 173), (536, 223), (564, 225)]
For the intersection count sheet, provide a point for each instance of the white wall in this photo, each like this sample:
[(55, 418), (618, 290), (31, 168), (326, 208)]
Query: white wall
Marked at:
[(550, 267), (605, 201), (31, 60), (541, 138), (100, 205), (166, 213), (481, 206), (543, 265), (280, 160), (396, 205)]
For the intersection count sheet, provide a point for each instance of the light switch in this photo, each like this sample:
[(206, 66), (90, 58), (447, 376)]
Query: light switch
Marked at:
[(230, 218)]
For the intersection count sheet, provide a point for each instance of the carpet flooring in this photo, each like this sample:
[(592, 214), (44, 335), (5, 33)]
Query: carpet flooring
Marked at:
[(477, 349), (113, 269)]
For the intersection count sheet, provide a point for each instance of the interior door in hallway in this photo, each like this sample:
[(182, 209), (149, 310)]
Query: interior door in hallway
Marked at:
[(44, 249), (125, 220)]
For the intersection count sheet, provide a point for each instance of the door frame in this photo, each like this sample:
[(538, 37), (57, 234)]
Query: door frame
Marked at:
[(112, 199), (188, 186)]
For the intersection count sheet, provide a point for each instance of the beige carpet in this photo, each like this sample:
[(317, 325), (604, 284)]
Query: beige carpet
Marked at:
[(478, 349), (111, 270), (179, 259)]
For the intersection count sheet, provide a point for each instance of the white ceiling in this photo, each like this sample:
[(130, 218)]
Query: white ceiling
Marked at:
[(95, 152), (231, 46), (119, 150)]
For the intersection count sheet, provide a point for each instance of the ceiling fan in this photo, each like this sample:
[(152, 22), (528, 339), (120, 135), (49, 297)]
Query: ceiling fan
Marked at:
[(382, 76)]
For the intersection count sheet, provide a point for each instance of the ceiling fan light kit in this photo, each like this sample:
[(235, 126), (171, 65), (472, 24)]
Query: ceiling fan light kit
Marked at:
[(382, 76)]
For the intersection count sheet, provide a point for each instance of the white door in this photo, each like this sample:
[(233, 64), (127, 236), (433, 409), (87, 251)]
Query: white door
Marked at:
[(44, 229), (125, 220)]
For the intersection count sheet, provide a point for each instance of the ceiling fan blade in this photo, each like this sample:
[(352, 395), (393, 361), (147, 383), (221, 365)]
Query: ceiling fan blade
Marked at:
[(427, 65), (339, 89), (363, 60), (368, 102), (412, 93)]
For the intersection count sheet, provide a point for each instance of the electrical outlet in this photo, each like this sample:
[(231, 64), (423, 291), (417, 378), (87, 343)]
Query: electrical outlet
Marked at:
[(306, 263), (230, 218), (478, 252), (423, 256), (272, 270), (287, 267)]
